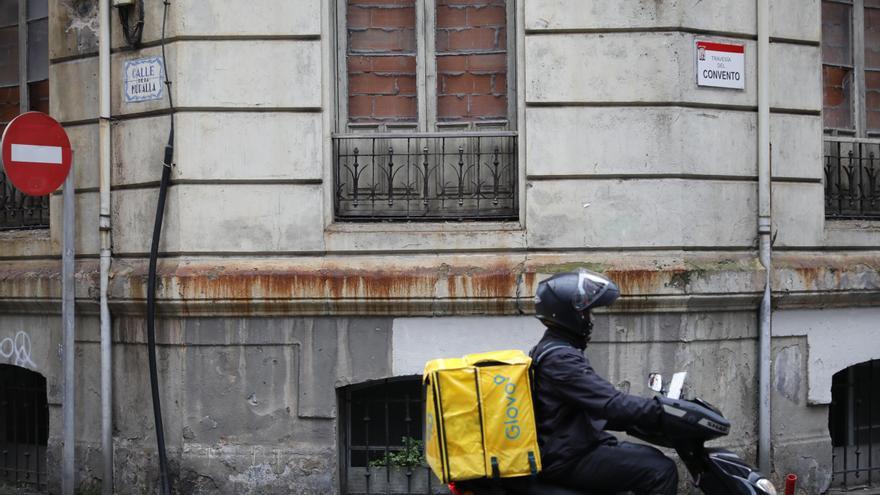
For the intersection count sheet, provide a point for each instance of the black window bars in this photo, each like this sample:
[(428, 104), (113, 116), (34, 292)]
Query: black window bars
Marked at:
[(852, 169), (24, 428), (382, 438), (426, 176), (20, 212), (854, 421)]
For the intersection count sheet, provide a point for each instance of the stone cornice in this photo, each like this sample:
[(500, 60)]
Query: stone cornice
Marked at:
[(446, 284)]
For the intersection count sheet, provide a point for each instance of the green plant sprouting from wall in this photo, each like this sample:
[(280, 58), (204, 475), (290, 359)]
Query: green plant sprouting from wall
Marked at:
[(411, 455)]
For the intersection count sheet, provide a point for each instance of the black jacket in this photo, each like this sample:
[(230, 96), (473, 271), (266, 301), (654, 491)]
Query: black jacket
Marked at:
[(574, 406)]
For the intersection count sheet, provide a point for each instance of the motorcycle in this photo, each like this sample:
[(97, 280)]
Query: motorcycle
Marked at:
[(686, 425)]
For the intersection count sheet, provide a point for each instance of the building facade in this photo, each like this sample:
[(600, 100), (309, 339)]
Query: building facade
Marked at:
[(361, 185)]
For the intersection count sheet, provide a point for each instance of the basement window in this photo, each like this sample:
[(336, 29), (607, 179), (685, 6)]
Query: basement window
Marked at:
[(381, 439), (24, 429), (854, 422)]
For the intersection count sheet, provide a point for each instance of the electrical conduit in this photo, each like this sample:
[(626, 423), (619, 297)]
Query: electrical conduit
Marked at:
[(764, 226), (106, 244), (164, 476)]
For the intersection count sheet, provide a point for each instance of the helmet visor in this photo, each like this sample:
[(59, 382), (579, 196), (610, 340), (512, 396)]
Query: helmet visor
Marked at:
[(590, 288)]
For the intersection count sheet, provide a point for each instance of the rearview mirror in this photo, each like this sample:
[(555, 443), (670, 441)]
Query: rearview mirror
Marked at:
[(676, 384), (655, 382)]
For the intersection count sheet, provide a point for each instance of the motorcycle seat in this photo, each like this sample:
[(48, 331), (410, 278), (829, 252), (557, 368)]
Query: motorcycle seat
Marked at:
[(546, 489), (519, 486), (536, 486)]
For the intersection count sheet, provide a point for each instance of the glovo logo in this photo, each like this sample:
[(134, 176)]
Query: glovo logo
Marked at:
[(511, 408), (429, 425)]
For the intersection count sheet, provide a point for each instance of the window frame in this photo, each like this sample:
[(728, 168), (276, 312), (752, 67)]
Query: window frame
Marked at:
[(41, 203), (422, 482), (858, 95), (426, 77), (850, 388), (23, 24)]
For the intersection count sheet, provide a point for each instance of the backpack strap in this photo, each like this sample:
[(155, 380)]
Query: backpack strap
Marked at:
[(538, 354)]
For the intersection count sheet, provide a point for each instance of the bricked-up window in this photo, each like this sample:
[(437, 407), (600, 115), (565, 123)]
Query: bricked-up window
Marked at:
[(426, 115), (837, 65), (381, 61), (427, 65), (851, 67), (24, 86), (471, 43)]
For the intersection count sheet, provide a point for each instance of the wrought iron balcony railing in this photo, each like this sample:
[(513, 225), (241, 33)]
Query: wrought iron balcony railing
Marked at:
[(852, 167), (20, 212), (426, 176)]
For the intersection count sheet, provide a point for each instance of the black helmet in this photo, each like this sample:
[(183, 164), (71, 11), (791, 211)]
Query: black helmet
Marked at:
[(564, 300)]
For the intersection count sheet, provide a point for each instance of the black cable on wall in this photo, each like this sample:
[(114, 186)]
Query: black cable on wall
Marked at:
[(164, 475)]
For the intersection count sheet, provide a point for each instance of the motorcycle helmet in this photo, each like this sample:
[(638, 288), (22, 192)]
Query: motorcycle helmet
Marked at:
[(564, 300)]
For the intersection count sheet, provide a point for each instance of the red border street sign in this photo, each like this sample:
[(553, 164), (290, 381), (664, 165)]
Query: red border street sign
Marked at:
[(36, 153), (721, 65)]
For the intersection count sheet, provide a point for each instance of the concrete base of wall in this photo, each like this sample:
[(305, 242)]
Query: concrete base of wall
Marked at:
[(249, 403)]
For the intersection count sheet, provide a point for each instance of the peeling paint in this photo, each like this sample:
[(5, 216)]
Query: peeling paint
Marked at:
[(787, 373), (80, 24)]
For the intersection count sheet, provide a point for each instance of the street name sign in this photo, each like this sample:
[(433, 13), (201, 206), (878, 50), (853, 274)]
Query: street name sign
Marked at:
[(144, 79), (36, 153), (720, 65)]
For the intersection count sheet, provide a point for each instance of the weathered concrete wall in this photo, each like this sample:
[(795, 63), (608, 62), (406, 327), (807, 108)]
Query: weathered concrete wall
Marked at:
[(809, 347), (800, 436), (249, 403), (34, 342), (631, 96), (837, 339)]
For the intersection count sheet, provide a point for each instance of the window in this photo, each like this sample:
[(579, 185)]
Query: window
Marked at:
[(851, 107), (24, 85), (426, 110), (854, 422), (24, 428), (381, 439)]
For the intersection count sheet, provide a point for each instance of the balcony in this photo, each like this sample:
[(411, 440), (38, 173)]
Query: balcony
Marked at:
[(426, 176), (852, 167)]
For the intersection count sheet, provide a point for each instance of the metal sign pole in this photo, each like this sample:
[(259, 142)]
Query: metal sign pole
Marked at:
[(67, 319)]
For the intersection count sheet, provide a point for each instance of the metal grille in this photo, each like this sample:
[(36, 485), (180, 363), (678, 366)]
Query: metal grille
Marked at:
[(426, 176), (20, 212), (24, 428), (854, 421), (380, 419), (24, 85), (852, 168)]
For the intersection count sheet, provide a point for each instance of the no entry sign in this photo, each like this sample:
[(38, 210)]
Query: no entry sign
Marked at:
[(36, 153)]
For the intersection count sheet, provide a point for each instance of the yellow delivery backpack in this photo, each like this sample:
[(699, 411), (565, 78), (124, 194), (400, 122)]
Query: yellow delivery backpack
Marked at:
[(479, 420)]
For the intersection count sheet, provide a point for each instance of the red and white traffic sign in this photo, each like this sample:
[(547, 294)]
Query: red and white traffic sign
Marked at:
[(36, 153)]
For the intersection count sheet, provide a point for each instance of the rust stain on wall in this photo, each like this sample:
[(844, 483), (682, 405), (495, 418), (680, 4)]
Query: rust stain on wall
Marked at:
[(428, 284), (632, 282), (234, 282), (497, 280)]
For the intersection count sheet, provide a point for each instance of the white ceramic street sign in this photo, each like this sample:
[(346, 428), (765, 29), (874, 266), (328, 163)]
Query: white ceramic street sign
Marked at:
[(144, 79)]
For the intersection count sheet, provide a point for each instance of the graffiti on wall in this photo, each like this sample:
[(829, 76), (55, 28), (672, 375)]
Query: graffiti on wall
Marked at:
[(17, 349)]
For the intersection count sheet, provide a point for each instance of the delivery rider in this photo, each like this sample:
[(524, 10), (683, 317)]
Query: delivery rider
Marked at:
[(575, 407)]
